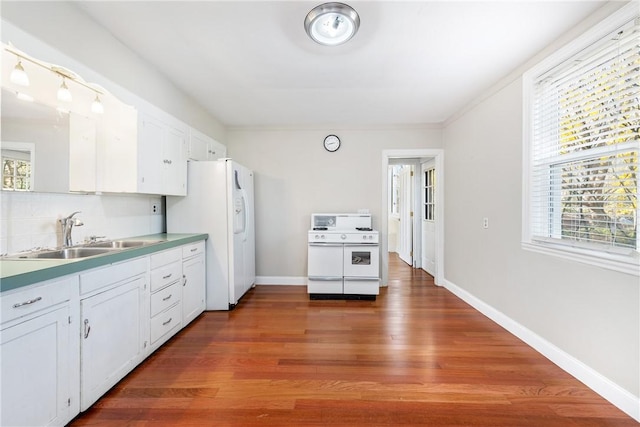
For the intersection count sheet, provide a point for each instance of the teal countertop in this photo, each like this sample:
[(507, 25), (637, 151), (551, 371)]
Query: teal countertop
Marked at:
[(15, 273)]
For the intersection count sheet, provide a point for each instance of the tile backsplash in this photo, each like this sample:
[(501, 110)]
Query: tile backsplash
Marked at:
[(30, 220)]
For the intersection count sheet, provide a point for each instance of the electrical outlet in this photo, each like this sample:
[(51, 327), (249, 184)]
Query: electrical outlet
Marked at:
[(485, 222), (155, 208)]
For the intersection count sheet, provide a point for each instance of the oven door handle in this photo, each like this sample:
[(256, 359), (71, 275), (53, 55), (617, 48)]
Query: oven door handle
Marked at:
[(325, 278), (360, 244), (326, 244)]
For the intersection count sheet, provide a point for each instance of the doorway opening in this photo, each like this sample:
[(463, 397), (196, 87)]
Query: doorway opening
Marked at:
[(412, 223), (402, 208)]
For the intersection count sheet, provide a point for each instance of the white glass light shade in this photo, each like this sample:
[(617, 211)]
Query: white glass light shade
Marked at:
[(332, 23), (18, 75), (97, 106), (63, 93)]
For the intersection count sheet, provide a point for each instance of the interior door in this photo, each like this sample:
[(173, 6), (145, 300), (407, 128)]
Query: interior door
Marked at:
[(428, 173), (405, 234)]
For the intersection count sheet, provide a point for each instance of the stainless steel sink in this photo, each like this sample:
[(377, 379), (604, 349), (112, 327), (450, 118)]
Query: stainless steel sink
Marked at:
[(67, 253), (85, 251), (122, 244)]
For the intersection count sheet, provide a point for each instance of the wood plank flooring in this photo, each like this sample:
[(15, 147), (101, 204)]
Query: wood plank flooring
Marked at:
[(417, 356)]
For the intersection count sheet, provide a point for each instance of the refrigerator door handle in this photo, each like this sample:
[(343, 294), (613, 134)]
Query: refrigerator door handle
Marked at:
[(245, 215)]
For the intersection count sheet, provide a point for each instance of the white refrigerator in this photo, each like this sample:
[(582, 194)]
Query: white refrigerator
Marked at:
[(219, 202)]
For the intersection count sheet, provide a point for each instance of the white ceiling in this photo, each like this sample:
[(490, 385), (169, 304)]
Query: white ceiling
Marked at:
[(416, 62)]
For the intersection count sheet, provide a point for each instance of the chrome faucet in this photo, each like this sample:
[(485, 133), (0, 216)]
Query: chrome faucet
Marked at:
[(67, 225)]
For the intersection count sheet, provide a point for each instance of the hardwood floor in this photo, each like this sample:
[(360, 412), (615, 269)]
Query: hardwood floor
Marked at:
[(417, 356)]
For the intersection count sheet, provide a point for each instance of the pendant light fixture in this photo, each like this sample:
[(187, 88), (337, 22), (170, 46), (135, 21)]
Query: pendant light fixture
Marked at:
[(332, 24), (96, 105), (18, 75), (63, 92)]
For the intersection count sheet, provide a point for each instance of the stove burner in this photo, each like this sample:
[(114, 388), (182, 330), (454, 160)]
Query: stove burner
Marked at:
[(364, 228)]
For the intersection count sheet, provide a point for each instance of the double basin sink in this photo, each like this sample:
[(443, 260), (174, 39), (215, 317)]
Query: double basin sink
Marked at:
[(85, 251)]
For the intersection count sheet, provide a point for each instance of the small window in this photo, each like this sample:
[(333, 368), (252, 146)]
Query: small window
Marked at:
[(16, 171), (429, 194), (394, 202)]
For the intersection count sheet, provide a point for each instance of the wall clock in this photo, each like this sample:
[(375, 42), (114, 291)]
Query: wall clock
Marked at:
[(331, 143)]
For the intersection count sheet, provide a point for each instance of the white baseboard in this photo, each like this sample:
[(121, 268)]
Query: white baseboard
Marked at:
[(281, 280), (606, 388)]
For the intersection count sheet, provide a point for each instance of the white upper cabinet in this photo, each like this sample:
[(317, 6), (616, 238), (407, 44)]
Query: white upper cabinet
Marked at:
[(154, 162), (203, 147), (162, 160)]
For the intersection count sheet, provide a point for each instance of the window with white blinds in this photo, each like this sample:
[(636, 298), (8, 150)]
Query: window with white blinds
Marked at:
[(583, 146)]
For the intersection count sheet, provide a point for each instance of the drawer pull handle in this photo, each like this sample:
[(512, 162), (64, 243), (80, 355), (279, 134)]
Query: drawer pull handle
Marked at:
[(194, 249), (87, 328), (167, 276), (28, 302), (167, 322), (166, 298)]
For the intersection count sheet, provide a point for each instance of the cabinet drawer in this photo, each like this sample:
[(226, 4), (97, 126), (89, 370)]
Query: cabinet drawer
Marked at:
[(164, 322), (160, 277), (193, 249), (165, 298), (114, 273), (30, 300), (166, 257)]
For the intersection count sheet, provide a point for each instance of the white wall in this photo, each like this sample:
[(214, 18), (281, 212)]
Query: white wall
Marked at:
[(295, 177), (589, 313), (29, 220)]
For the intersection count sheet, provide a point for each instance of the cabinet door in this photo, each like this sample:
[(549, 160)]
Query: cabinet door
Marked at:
[(151, 161), (198, 146), (203, 147), (112, 341), (216, 150), (117, 168), (82, 153), (35, 370), (174, 163), (193, 288)]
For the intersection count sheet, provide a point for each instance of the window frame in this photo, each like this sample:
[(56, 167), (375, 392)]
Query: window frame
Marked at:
[(618, 259), (429, 194), (7, 149)]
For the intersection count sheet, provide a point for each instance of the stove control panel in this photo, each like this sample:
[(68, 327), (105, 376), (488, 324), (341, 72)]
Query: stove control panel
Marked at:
[(368, 237)]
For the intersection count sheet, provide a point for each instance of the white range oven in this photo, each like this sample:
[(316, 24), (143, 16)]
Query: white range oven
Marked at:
[(343, 257)]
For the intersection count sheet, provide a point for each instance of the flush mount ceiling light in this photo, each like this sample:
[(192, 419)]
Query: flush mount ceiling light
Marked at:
[(332, 24)]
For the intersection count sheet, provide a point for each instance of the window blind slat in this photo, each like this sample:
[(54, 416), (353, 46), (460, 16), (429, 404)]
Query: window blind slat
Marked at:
[(586, 144)]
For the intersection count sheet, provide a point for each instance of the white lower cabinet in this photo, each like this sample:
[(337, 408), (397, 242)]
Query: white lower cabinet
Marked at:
[(166, 296), (39, 359), (65, 342), (113, 325), (193, 284)]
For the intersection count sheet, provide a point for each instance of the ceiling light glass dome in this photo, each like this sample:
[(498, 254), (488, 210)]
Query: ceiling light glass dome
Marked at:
[(332, 24)]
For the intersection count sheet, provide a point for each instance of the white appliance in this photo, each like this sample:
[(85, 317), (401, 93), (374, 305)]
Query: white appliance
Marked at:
[(343, 257), (219, 202)]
